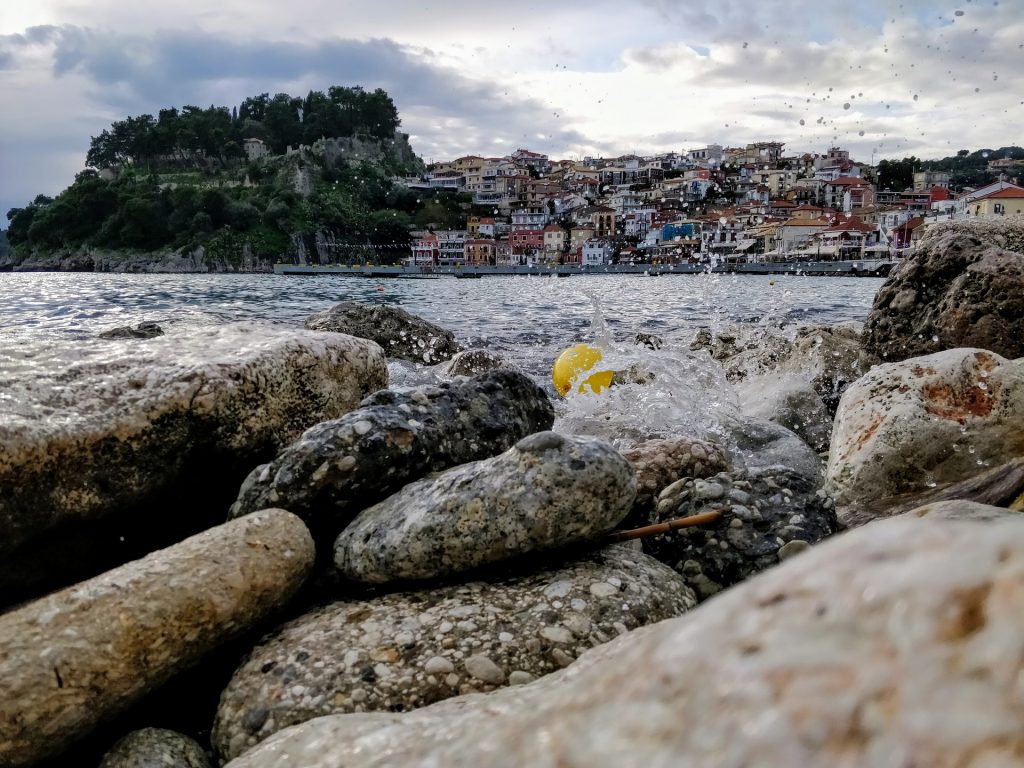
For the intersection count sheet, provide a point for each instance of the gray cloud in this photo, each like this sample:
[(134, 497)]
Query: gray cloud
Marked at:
[(446, 111)]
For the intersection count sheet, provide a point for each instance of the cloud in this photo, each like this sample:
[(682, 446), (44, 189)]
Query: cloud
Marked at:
[(446, 111)]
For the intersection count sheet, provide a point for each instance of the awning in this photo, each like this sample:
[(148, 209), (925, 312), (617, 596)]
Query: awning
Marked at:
[(745, 245)]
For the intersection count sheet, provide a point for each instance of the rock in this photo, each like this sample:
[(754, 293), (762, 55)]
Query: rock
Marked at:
[(961, 287), (79, 656), (790, 401), (958, 509), (140, 331), (399, 333), (761, 444), (649, 340), (1000, 487), (111, 449), (765, 515), (659, 463), (473, 362), (828, 357), (341, 467), (401, 651), (156, 748), (896, 644), (907, 426), (546, 492)]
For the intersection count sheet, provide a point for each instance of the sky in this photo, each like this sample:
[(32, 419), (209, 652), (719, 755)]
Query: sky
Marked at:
[(567, 77)]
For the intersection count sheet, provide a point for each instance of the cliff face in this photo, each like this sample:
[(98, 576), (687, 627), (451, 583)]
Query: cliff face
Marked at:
[(94, 260)]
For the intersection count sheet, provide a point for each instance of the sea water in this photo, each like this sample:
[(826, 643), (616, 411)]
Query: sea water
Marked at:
[(527, 320)]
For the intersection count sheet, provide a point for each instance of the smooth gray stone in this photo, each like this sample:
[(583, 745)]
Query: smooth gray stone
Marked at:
[(546, 492)]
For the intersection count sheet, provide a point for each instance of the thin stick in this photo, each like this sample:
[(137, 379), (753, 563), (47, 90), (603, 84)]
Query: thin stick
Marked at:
[(666, 527)]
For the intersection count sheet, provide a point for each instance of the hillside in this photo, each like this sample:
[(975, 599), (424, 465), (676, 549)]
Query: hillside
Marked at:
[(224, 190)]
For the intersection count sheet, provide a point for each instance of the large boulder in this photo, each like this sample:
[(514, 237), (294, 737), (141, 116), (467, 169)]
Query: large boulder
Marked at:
[(156, 748), (77, 657), (962, 287), (911, 425), (895, 644), (398, 332), (111, 449), (340, 467), (548, 491), (766, 517), (401, 651)]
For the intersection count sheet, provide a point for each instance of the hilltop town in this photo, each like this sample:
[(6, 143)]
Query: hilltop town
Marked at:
[(714, 204)]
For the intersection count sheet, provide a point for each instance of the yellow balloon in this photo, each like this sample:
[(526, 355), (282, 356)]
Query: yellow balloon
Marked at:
[(574, 361)]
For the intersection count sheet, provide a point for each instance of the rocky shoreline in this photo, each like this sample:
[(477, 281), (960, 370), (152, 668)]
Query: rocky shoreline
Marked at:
[(229, 547)]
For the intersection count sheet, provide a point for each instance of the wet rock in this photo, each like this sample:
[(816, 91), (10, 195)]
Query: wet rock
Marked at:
[(907, 426), (112, 449), (659, 463), (548, 491), (790, 401), (649, 340), (962, 287), (140, 331), (892, 644), (423, 647), (473, 362), (79, 656), (398, 332), (761, 444), (828, 357), (767, 517), (156, 748), (341, 467)]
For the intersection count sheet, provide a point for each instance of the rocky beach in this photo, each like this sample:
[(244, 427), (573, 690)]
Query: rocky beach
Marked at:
[(374, 541)]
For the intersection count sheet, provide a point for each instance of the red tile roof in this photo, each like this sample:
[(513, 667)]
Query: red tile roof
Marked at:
[(850, 181), (1014, 193)]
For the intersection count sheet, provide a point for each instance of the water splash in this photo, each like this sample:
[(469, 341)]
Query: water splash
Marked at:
[(658, 393)]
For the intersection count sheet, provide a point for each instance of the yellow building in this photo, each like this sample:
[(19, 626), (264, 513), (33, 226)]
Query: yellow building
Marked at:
[(1004, 202)]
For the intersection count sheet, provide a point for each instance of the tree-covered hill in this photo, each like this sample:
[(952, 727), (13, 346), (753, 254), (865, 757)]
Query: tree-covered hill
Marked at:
[(966, 168), (182, 180)]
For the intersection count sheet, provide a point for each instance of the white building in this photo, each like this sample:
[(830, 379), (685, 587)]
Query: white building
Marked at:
[(596, 253)]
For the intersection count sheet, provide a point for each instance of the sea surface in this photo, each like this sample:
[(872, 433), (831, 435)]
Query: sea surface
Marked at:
[(527, 319)]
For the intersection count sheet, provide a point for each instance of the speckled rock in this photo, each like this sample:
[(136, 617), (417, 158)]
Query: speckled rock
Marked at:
[(886, 646), (341, 467), (762, 444), (962, 287), (156, 748), (402, 651), (790, 401), (768, 516), (659, 463), (111, 449), (79, 656), (907, 426), (398, 332), (140, 331), (473, 362), (548, 491)]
